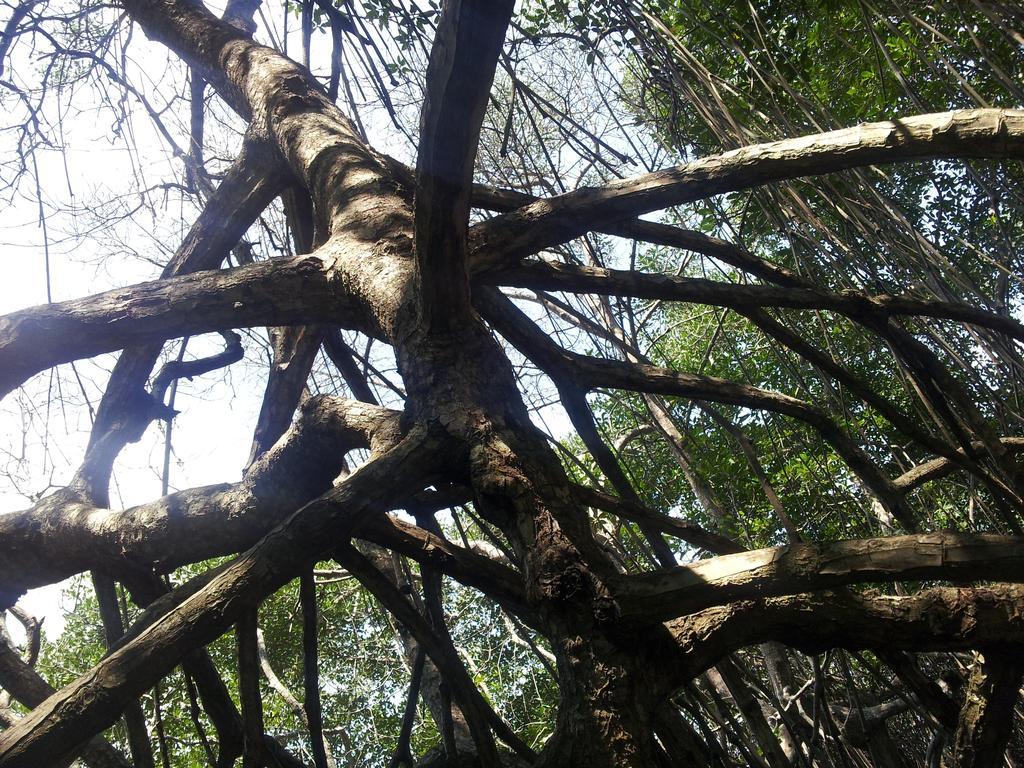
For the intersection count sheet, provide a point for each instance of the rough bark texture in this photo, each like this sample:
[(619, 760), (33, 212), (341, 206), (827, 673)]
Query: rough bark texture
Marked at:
[(986, 719)]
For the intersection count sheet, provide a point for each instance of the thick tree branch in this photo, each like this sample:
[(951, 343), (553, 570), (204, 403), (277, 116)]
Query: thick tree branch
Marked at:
[(282, 98), (344, 360), (466, 46), (311, 671), (61, 535), (294, 347), (402, 756), (280, 292), (937, 619), (993, 133), (247, 649), (956, 557), (30, 689), (241, 13)]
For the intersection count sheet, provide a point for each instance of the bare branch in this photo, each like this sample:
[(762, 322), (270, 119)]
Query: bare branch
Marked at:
[(941, 618), (311, 671), (956, 557), (994, 133), (99, 696), (29, 689), (590, 373), (689, 532), (178, 369), (249, 686), (281, 292), (552, 276), (941, 467), (498, 581), (194, 524)]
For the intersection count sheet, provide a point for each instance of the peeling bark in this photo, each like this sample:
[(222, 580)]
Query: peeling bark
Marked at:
[(986, 718)]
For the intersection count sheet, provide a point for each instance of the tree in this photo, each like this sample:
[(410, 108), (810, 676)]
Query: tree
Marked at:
[(398, 255)]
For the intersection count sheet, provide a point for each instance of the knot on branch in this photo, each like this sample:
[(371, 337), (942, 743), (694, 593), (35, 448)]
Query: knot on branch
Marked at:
[(296, 97)]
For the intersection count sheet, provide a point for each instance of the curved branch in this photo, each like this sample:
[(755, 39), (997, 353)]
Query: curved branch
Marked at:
[(187, 369), (937, 619), (61, 535), (993, 133)]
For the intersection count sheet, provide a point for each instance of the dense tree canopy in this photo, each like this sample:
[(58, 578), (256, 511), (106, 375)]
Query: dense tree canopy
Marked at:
[(629, 383)]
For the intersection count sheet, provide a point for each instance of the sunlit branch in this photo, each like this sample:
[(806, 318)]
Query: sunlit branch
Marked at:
[(796, 568), (992, 133)]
